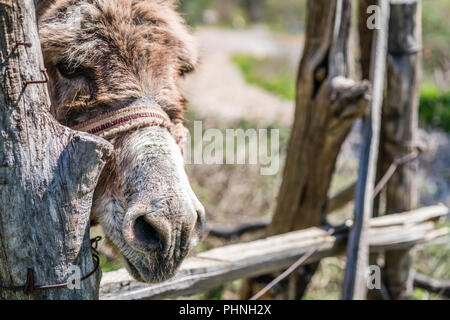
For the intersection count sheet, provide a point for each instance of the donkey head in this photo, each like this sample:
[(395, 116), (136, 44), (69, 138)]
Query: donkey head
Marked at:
[(106, 56)]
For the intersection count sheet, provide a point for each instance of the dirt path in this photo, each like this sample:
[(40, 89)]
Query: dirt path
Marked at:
[(218, 89)]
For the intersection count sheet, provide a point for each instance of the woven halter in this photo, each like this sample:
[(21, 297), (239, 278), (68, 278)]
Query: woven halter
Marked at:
[(113, 123)]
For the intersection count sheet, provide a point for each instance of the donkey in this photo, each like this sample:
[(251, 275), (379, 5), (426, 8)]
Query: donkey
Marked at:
[(113, 67)]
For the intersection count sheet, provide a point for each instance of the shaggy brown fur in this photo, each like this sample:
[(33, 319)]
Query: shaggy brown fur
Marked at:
[(104, 55), (126, 49)]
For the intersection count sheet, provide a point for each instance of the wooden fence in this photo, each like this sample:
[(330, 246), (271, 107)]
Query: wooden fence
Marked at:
[(214, 267)]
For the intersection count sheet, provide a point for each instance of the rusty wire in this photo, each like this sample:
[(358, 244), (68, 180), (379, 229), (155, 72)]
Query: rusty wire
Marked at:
[(30, 285), (45, 80)]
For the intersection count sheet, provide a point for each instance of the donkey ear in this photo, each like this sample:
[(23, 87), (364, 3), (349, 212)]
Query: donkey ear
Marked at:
[(42, 5)]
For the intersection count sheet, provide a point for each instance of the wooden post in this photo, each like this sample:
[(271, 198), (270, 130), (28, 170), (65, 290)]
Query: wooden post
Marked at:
[(365, 36), (47, 172), (355, 286), (327, 104), (399, 130), (365, 46)]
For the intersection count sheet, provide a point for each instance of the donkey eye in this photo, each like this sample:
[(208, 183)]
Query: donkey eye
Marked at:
[(70, 70), (184, 67), (185, 70)]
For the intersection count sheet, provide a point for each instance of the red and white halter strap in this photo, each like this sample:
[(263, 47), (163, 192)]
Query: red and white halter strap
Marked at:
[(113, 123)]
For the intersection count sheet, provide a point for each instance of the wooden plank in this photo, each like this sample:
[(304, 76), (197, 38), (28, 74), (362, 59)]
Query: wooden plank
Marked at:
[(415, 216), (358, 248), (422, 214), (212, 268), (220, 265)]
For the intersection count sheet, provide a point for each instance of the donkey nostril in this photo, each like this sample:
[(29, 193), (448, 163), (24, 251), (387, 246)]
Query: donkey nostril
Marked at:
[(200, 223), (147, 234)]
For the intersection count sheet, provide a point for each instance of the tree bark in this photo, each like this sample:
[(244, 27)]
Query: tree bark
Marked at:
[(327, 105), (365, 37), (400, 129), (355, 285), (47, 172)]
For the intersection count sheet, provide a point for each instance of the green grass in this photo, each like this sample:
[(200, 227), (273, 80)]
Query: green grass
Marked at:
[(435, 107), (259, 72), (108, 265), (420, 294)]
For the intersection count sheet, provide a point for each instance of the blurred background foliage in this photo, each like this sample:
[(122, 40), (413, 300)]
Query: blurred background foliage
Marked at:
[(288, 16), (284, 15)]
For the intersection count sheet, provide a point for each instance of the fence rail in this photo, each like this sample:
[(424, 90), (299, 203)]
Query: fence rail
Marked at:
[(214, 267)]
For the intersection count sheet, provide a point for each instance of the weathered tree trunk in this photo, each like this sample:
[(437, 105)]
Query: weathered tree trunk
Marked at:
[(327, 105), (47, 172), (400, 129)]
